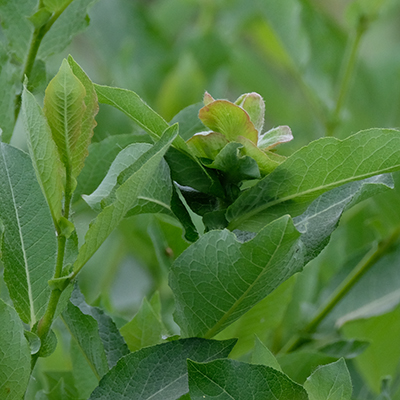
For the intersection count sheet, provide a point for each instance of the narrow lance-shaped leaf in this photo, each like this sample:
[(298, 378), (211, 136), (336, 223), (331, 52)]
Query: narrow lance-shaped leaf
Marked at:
[(88, 121), (43, 152), (125, 197), (321, 166), (158, 372), (28, 248), (15, 355), (230, 379), (65, 110), (218, 279)]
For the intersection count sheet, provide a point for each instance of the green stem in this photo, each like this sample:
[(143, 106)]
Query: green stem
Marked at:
[(361, 268), (37, 37), (348, 67)]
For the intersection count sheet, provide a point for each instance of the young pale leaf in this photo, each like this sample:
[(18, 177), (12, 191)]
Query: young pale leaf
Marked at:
[(218, 279), (158, 372), (321, 166), (263, 356), (65, 109), (88, 122), (85, 331), (15, 355), (229, 379), (114, 344), (125, 197), (29, 244), (330, 382), (145, 328), (43, 152), (156, 195)]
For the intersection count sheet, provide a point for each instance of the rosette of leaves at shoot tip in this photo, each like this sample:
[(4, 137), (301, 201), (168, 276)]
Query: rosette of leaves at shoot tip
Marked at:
[(234, 144)]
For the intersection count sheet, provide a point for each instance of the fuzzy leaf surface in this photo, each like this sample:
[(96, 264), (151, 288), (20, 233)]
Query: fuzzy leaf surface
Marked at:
[(321, 166), (125, 197), (330, 382), (65, 109), (158, 372), (229, 379), (29, 245), (43, 152), (15, 355), (218, 279)]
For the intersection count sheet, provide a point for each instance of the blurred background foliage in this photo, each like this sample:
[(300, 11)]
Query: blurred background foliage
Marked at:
[(323, 68)]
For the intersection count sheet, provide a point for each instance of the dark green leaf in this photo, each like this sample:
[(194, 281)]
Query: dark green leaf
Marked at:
[(229, 379), (158, 372), (189, 122), (345, 348), (218, 279), (15, 355), (29, 243), (321, 166)]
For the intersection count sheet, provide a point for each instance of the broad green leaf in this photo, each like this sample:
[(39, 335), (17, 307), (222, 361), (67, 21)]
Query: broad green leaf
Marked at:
[(218, 279), (114, 344), (101, 155), (44, 155), (29, 244), (72, 21), (322, 216), (207, 145), (134, 107), (229, 379), (345, 348), (382, 356), (84, 329), (88, 122), (263, 356), (15, 355), (189, 122), (65, 110), (158, 372), (321, 166), (17, 30), (330, 382), (125, 197), (146, 327), (227, 118), (156, 194), (262, 320)]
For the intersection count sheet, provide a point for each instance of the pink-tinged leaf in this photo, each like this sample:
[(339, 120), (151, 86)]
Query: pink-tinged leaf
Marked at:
[(207, 145), (254, 105), (229, 119), (275, 136)]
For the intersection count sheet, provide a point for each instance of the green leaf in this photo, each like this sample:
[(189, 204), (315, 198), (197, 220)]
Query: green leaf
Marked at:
[(330, 382), (40, 17), (43, 152), (15, 355), (218, 279), (55, 5), (207, 145), (88, 122), (345, 348), (29, 243), (224, 117), (114, 344), (158, 372), (189, 122), (146, 327), (125, 197), (101, 155), (229, 379), (85, 331), (263, 356), (321, 166), (156, 194), (17, 30), (254, 105), (72, 21), (65, 109)]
